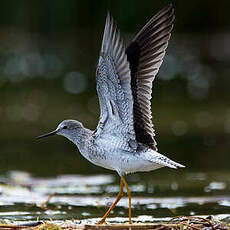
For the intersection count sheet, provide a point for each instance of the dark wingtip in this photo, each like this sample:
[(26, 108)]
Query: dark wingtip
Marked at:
[(168, 8)]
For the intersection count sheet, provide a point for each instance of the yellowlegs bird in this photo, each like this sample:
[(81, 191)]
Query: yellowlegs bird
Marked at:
[(124, 138)]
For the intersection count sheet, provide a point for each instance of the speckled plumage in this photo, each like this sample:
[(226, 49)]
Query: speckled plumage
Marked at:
[(111, 151), (124, 138)]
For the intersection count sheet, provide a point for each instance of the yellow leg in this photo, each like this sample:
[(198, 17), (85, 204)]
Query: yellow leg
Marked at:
[(120, 194), (46, 202), (129, 195)]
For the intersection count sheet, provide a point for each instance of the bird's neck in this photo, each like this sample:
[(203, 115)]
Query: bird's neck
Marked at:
[(80, 137)]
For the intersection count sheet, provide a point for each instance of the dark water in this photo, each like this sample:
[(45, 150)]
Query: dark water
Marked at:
[(47, 74)]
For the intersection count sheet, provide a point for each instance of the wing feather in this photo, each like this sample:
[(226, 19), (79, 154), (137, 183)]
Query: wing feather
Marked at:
[(145, 55), (114, 87)]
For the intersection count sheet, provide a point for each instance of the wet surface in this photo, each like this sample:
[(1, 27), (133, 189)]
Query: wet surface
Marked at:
[(82, 197)]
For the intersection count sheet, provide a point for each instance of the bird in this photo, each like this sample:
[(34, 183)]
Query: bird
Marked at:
[(124, 139)]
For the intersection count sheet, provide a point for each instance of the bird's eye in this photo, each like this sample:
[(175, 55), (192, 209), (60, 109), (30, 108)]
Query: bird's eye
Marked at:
[(65, 127)]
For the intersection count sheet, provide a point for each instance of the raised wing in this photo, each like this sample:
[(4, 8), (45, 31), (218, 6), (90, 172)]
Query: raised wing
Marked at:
[(114, 87), (145, 55)]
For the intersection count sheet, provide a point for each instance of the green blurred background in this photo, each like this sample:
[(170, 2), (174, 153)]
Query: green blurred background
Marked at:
[(48, 56)]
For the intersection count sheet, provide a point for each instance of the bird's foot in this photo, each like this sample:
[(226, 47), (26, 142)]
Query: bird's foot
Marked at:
[(102, 221), (44, 204)]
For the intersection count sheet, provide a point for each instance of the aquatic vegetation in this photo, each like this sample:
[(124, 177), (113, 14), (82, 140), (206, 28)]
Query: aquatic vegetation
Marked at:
[(176, 223), (48, 226)]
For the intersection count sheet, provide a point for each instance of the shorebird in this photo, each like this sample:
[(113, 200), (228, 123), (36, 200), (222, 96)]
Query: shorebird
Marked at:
[(124, 138)]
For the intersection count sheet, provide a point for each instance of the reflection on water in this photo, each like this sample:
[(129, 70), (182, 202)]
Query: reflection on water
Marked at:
[(86, 197)]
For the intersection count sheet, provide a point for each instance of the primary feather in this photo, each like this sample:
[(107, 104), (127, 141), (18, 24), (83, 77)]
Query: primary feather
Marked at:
[(125, 76), (145, 55)]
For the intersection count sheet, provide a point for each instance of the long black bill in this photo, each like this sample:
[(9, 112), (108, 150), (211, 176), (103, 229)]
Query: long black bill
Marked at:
[(47, 134)]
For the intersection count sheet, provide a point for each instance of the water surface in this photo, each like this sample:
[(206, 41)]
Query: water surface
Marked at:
[(86, 197)]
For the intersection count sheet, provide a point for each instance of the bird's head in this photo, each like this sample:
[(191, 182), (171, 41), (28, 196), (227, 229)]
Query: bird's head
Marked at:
[(67, 128)]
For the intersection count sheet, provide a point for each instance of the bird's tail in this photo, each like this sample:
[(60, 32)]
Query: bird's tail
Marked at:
[(173, 164), (160, 159)]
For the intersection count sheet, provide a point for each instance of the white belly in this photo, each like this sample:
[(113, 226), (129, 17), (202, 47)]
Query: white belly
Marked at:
[(125, 163), (119, 157)]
